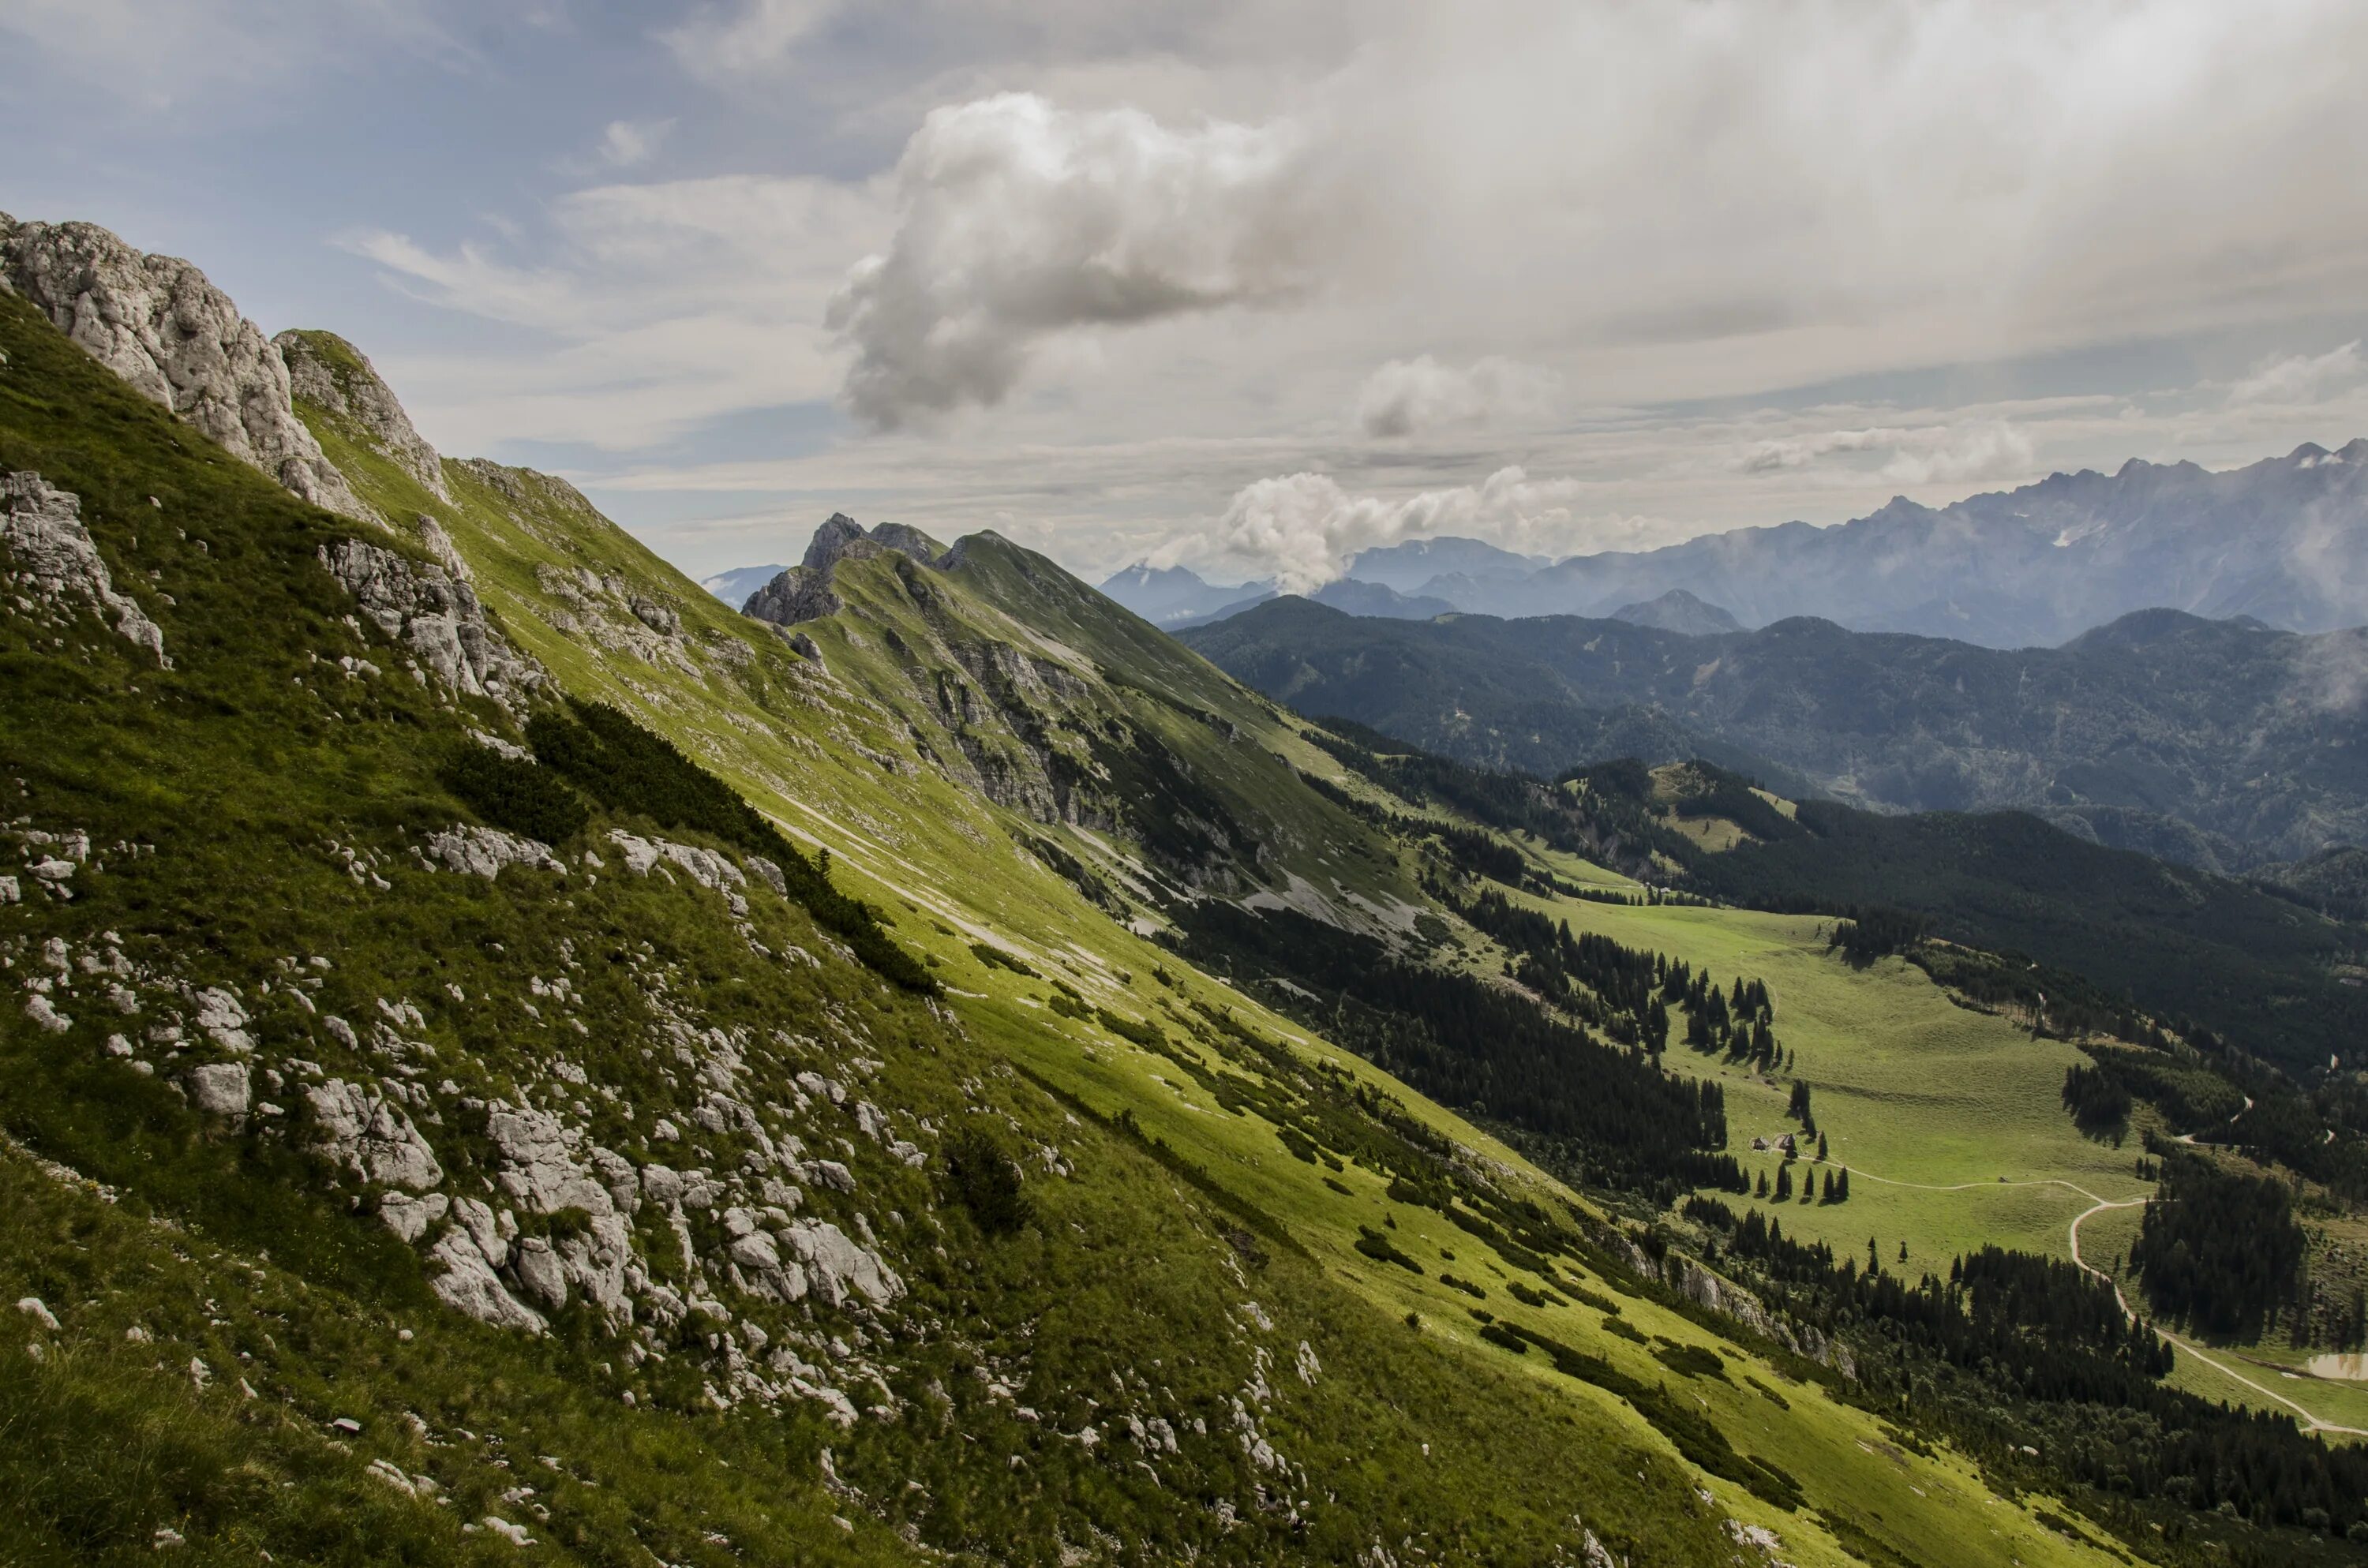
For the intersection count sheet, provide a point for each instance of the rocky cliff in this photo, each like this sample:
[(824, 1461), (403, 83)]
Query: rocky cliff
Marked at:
[(155, 321)]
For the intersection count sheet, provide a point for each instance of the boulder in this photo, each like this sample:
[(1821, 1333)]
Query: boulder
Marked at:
[(220, 1088)]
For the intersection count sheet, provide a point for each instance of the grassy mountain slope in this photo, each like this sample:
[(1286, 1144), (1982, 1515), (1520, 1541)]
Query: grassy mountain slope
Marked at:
[(263, 803)]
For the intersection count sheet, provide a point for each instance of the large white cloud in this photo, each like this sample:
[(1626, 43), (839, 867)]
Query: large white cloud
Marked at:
[(1018, 220), (1301, 529)]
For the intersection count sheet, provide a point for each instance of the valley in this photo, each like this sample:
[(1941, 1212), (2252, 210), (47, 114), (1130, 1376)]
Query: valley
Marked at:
[(508, 1049)]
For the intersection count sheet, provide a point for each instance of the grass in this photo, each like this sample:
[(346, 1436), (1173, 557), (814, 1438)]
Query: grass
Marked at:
[(1178, 1266)]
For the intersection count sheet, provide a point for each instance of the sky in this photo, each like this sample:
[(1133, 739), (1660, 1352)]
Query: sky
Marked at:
[(1248, 286)]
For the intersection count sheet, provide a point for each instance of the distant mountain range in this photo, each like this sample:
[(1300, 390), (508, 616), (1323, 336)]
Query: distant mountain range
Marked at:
[(2220, 744), (2283, 540), (1175, 599)]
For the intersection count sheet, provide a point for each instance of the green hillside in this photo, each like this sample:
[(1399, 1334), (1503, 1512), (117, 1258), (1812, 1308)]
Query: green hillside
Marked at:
[(387, 1183)]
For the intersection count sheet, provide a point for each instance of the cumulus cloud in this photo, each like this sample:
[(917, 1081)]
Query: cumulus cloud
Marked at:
[(1018, 219), (2302, 377), (1408, 396), (1301, 529)]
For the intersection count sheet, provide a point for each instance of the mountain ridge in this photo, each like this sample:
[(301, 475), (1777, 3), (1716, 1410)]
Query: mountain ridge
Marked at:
[(2149, 732)]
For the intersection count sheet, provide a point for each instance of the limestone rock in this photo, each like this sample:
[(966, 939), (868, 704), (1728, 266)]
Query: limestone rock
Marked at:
[(834, 1261), (54, 558), (706, 868), (331, 374), (410, 1217), (434, 615), (357, 1126), (469, 1285), (484, 851), (795, 596), (220, 1088), (156, 322), (224, 1018), (540, 1271), (538, 1164)]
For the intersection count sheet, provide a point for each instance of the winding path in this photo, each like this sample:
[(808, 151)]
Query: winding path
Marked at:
[(2311, 1423)]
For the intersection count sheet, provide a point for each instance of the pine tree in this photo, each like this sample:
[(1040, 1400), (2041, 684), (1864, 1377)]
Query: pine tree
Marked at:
[(1842, 1188), (1821, 1148), (1762, 1188), (1783, 1184)]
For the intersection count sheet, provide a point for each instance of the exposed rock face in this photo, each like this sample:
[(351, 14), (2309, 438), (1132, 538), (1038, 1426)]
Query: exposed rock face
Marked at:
[(705, 866), (911, 540), (803, 592), (373, 1139), (325, 371), (836, 539), (469, 1285), (437, 618), (484, 851), (796, 595), (834, 1263), (155, 321), (54, 558)]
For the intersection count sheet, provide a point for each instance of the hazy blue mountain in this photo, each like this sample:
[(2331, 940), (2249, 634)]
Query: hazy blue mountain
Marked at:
[(1679, 611), (2217, 743), (1411, 567), (2284, 541), (1178, 595)]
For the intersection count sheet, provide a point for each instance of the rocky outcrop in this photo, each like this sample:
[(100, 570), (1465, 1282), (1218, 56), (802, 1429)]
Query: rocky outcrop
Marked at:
[(332, 375), (360, 1130), (155, 321), (911, 540), (437, 617), (797, 595), (484, 851), (53, 559), (803, 592)]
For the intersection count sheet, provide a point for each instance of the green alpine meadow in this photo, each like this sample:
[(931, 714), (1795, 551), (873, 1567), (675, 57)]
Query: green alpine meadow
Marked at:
[(512, 1056)]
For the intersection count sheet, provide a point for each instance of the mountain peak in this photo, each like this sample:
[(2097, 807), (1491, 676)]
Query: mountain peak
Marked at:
[(1681, 612), (177, 339)]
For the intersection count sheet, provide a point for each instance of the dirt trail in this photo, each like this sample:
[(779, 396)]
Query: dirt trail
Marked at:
[(2311, 1423)]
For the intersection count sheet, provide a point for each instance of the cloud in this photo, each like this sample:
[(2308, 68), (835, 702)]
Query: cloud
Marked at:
[(1301, 529), (166, 57), (727, 42), (1920, 455), (1799, 451), (2300, 378), (1408, 396), (1018, 221), (628, 143), (661, 303)]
